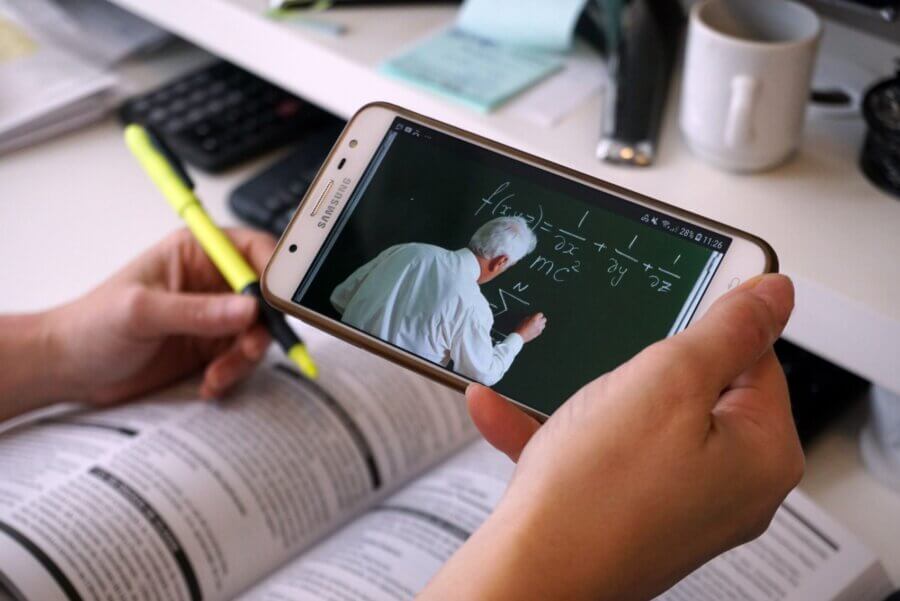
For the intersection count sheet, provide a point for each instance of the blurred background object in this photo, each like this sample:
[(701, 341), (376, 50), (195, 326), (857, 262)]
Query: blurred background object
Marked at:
[(220, 115), (57, 61), (640, 41), (880, 439), (493, 50), (746, 81), (98, 31), (879, 17), (880, 156)]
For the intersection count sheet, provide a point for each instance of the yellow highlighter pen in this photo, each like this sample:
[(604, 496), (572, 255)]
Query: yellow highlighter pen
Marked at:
[(170, 177)]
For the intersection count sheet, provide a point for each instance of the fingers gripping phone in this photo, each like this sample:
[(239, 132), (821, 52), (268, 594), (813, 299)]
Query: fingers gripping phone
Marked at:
[(467, 260)]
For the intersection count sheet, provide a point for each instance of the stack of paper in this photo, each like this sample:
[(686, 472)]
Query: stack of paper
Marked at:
[(54, 61), (44, 90), (96, 30)]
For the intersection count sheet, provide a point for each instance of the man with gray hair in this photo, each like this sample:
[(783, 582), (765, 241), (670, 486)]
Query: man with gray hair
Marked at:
[(428, 301)]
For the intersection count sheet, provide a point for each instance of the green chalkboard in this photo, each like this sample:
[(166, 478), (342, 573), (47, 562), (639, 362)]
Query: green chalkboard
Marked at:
[(608, 283)]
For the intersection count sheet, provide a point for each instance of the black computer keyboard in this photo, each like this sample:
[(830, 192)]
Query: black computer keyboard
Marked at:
[(268, 199), (221, 115)]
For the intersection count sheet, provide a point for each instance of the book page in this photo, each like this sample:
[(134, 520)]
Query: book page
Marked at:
[(175, 498), (393, 550), (803, 555)]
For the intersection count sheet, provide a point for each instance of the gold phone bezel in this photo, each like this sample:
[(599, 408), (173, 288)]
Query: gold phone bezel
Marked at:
[(748, 255)]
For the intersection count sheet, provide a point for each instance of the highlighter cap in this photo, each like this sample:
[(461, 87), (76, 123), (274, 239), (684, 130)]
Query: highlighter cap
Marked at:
[(161, 164)]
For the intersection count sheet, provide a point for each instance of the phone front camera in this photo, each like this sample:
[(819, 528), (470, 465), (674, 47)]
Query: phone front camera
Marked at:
[(292, 248)]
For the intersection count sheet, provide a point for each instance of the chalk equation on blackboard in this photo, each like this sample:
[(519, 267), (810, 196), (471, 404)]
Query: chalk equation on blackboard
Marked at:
[(568, 244)]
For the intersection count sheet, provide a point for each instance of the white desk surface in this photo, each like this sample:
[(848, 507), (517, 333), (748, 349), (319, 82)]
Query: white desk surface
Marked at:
[(74, 209), (835, 234)]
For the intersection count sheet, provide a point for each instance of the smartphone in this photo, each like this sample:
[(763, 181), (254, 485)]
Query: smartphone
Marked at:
[(467, 260)]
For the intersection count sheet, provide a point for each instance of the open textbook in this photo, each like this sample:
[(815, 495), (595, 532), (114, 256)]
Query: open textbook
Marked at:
[(357, 488)]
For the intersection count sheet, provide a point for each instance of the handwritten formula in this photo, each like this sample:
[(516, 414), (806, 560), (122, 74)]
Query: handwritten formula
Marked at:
[(570, 246)]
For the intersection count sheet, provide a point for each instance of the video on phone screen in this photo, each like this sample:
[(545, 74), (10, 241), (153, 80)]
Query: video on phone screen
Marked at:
[(511, 276)]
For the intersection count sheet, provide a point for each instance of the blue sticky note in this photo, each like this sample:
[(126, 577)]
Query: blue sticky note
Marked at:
[(470, 69), (545, 24)]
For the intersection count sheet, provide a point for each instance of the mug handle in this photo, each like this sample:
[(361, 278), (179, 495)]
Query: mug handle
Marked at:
[(739, 121)]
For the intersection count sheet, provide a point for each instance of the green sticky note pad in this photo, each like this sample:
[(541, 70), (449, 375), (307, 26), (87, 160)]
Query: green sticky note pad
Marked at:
[(470, 69), (547, 24)]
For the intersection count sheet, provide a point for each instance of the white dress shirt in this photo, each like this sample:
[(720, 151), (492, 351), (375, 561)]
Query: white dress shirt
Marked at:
[(427, 300)]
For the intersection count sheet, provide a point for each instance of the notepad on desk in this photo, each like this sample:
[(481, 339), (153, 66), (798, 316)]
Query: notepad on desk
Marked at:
[(471, 69), (495, 50)]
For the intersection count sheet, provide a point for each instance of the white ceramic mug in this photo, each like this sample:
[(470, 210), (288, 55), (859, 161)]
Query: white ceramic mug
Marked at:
[(746, 81)]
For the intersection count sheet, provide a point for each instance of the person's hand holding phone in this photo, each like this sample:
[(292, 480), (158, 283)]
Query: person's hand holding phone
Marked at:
[(647, 472)]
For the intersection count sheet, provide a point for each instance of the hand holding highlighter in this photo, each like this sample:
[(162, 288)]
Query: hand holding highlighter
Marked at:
[(170, 177)]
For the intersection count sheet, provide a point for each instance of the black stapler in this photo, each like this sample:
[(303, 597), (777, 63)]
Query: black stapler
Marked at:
[(640, 40)]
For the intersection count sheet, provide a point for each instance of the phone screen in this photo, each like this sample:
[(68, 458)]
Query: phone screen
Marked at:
[(447, 250)]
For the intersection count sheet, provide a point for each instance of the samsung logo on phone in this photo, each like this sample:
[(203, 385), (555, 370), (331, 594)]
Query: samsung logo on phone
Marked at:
[(328, 213)]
